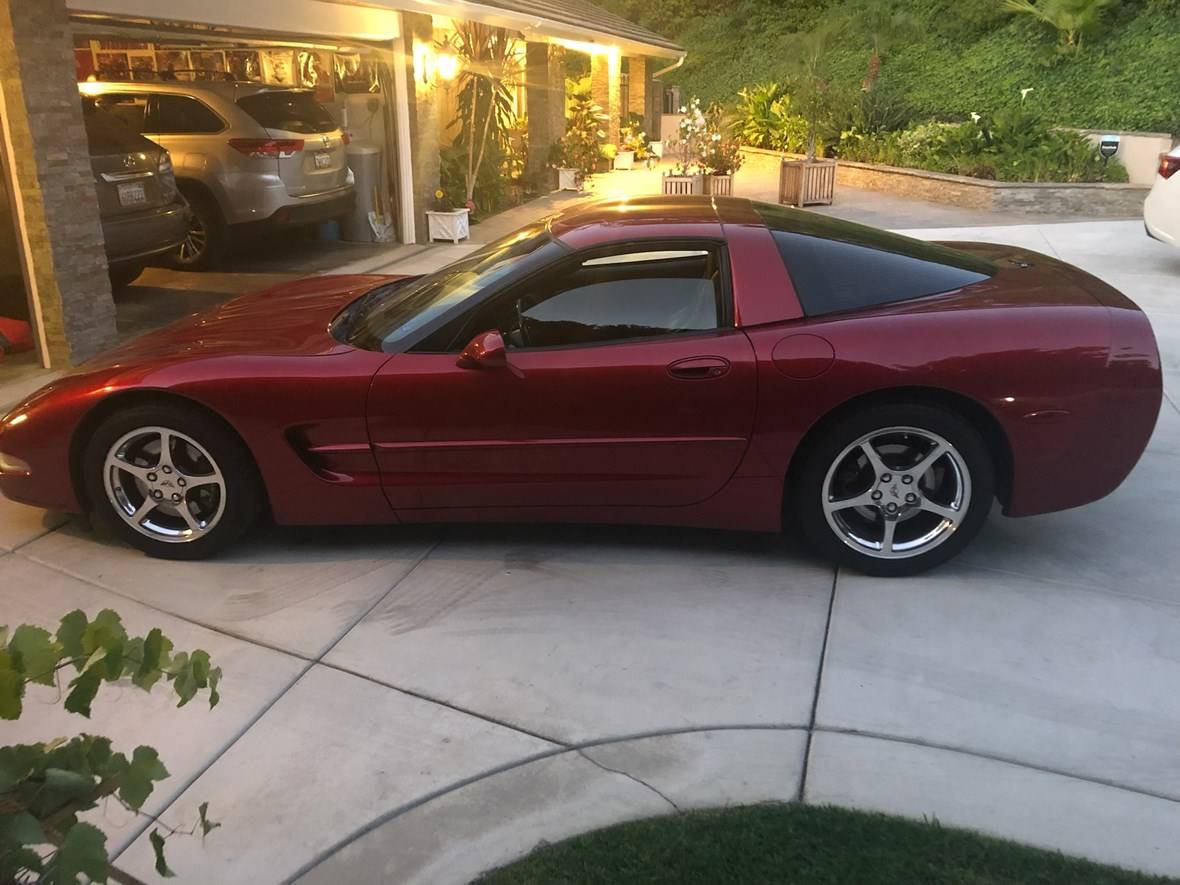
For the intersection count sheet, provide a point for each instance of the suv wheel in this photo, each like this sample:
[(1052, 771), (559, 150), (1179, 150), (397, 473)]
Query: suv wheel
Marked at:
[(204, 240), (895, 490)]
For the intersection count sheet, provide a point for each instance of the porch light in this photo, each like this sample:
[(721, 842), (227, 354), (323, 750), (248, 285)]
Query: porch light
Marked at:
[(431, 65)]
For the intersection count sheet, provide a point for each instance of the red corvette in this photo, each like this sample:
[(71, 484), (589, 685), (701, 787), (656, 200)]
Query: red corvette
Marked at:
[(715, 363)]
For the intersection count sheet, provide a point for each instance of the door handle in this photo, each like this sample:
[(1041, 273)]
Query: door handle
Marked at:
[(699, 368)]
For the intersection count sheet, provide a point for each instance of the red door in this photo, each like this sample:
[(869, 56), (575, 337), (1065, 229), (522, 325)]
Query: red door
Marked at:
[(658, 422)]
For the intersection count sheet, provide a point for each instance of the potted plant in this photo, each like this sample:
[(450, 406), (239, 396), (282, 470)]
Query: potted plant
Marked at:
[(721, 156), (686, 148), (607, 154), (579, 146), (634, 145), (812, 180), (446, 221)]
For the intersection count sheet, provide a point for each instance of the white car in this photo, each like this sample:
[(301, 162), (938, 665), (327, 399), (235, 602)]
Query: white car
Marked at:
[(1161, 212)]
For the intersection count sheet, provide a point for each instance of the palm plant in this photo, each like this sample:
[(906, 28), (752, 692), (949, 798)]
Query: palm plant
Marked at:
[(490, 65), (884, 26), (813, 92), (1072, 19)]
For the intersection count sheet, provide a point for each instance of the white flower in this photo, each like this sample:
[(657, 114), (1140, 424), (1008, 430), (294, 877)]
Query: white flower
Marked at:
[(682, 109), (975, 118), (1024, 93)]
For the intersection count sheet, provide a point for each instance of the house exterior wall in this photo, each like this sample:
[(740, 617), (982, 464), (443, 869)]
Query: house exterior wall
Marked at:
[(545, 87), (51, 165)]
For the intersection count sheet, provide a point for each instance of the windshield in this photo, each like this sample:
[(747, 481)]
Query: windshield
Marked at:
[(386, 316)]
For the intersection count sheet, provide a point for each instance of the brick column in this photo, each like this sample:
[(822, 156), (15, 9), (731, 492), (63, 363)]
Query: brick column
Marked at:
[(425, 122), (605, 87), (637, 83), (55, 185), (544, 85)]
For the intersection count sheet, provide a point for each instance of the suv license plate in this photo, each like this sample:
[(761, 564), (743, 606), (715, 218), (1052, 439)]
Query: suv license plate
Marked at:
[(323, 159), (132, 194)]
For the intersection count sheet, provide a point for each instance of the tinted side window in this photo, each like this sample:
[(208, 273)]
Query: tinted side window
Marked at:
[(637, 294), (107, 134), (289, 111), (181, 115), (128, 107), (836, 265)]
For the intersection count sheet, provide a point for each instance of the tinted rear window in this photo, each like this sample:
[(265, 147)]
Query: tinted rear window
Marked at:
[(181, 115), (107, 134), (837, 265), (288, 111)]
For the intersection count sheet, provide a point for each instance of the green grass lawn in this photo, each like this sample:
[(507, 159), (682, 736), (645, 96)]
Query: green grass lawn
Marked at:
[(799, 844)]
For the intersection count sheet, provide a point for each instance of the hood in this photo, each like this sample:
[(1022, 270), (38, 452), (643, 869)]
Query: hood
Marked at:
[(290, 319)]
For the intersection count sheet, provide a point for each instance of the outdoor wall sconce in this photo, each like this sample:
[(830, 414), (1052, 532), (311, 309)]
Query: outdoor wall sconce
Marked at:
[(430, 64)]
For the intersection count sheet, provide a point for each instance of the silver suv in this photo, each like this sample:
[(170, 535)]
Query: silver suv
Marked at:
[(243, 154)]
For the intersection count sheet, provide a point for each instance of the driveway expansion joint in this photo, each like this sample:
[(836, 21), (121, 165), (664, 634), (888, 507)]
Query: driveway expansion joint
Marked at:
[(819, 676)]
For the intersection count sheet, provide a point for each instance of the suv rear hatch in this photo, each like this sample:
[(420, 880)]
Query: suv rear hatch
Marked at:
[(126, 166), (311, 148)]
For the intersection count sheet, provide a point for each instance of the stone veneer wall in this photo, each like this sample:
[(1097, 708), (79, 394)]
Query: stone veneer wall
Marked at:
[(52, 168), (1099, 200)]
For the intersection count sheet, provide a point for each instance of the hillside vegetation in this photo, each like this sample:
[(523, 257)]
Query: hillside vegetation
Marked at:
[(957, 57)]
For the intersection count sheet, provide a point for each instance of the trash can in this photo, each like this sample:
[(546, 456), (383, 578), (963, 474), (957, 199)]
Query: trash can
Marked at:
[(364, 159)]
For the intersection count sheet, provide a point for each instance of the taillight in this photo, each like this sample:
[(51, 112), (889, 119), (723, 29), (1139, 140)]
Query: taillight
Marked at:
[(167, 178), (281, 148), (1169, 165)]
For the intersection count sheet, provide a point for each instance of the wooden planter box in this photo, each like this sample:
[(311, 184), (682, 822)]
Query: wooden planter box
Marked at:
[(625, 160), (453, 225), (719, 185), (683, 185), (807, 182)]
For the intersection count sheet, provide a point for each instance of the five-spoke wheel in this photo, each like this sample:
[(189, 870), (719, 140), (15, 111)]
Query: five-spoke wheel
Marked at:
[(895, 489), (172, 480)]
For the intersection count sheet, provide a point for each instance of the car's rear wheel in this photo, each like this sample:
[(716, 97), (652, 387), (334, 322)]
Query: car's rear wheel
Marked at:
[(172, 481), (894, 490), (204, 240)]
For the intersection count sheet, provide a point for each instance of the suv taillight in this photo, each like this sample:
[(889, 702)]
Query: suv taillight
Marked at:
[(282, 148), (1169, 165), (167, 177)]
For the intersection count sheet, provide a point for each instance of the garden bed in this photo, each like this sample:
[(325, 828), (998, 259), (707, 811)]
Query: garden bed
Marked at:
[(1096, 200)]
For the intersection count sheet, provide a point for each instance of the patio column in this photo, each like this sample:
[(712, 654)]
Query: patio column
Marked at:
[(424, 114), (606, 88), (637, 88), (54, 199), (545, 100)]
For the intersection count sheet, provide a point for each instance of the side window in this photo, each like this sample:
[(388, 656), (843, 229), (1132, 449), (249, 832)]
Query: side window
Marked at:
[(634, 293), (181, 115), (129, 107)]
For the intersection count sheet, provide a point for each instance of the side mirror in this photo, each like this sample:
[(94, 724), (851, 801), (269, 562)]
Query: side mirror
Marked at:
[(484, 351)]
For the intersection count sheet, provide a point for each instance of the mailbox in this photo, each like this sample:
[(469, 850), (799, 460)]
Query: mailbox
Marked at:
[(1108, 146)]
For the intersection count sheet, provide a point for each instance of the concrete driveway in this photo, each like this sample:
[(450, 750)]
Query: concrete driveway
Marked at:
[(422, 704)]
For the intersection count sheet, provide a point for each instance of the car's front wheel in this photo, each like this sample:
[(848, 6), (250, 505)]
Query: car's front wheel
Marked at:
[(171, 481), (895, 489)]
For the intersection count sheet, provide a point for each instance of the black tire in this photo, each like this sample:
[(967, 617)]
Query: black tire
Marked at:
[(244, 496), (123, 275), (205, 244), (807, 491)]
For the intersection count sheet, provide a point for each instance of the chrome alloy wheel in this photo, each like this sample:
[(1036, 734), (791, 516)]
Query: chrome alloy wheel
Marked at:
[(196, 239), (164, 484), (897, 492)]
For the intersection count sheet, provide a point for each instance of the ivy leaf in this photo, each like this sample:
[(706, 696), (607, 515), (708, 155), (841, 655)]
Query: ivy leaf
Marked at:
[(83, 689), (68, 784), (20, 829), (17, 763), (207, 826), (145, 768), (12, 688), (69, 634), (34, 653), (154, 657), (158, 847), (105, 631), (82, 853), (214, 680), (16, 861)]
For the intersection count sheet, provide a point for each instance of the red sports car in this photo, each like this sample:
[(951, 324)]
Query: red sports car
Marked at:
[(717, 363)]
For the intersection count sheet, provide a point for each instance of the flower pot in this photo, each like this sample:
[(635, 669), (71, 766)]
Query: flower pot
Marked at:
[(807, 182), (625, 160), (567, 179), (683, 185), (719, 185), (453, 225)]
